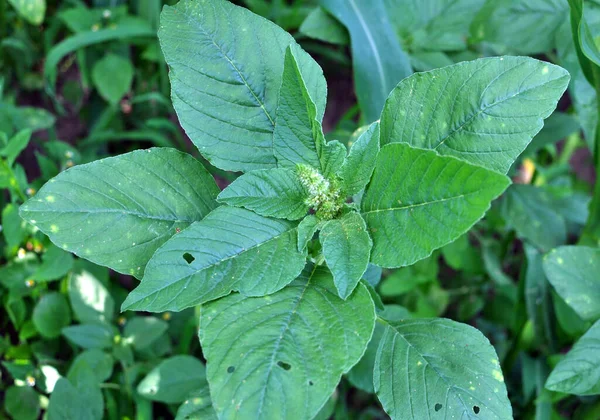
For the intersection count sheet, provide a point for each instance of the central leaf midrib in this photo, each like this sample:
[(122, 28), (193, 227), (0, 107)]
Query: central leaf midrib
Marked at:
[(419, 204), (116, 211)]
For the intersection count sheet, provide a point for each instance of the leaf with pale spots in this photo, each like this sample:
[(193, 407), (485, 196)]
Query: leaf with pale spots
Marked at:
[(117, 211), (232, 249), (439, 366), (484, 111), (275, 356)]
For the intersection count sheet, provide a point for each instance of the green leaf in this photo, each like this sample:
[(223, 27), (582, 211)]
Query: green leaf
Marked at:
[(484, 111), (557, 127), (15, 146), (22, 403), (379, 62), (112, 75), (51, 314), (67, 402), (298, 135), (13, 227), (346, 248), (268, 192), (90, 300), (528, 209), (274, 355), (56, 263), (118, 211), (439, 25), (197, 406), (525, 27), (440, 367), (322, 26), (579, 372), (99, 362), (361, 375), (173, 380), (141, 332), (358, 167), (307, 229), (32, 10), (574, 271), (90, 336), (232, 249), (419, 201), (225, 79), (84, 380)]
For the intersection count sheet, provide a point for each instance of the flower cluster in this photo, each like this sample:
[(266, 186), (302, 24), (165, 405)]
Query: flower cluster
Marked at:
[(324, 195)]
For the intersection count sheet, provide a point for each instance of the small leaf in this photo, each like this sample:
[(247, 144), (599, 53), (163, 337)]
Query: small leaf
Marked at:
[(484, 111), (440, 367), (322, 26), (574, 272), (22, 403), (100, 363), (232, 249), (32, 10), (56, 263), (226, 69), (112, 75), (419, 201), (15, 146), (197, 406), (51, 314), (268, 192), (274, 355), (67, 402), (13, 227), (118, 211), (307, 229), (90, 300), (90, 336), (173, 379), (142, 332), (358, 167), (346, 248), (579, 372)]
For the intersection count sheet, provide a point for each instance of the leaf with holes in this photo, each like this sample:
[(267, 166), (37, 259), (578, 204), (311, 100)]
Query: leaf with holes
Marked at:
[(118, 211), (270, 356), (225, 79), (232, 249), (419, 201), (441, 367), (485, 111), (574, 272)]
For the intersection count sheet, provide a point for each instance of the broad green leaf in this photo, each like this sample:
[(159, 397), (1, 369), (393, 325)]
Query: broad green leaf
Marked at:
[(346, 248), (90, 300), (173, 380), (90, 336), (433, 25), (379, 62), (298, 135), (13, 227), (322, 26), (112, 75), (361, 375), (419, 201), (484, 111), (528, 209), (56, 263), (579, 372), (22, 403), (232, 249), (197, 406), (521, 26), (268, 192), (270, 356), (439, 367), (142, 332), (574, 272), (66, 402), (358, 167), (51, 314), (225, 79), (32, 10), (307, 229), (118, 211), (83, 378), (99, 362)]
